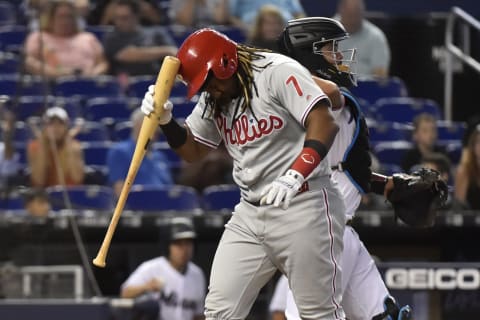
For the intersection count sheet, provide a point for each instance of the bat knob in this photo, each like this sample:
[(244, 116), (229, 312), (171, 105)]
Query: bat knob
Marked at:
[(99, 262)]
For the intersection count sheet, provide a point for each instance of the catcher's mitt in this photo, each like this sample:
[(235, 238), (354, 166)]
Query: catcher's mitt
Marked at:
[(415, 198)]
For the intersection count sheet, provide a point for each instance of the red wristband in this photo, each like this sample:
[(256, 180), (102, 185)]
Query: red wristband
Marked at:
[(306, 161)]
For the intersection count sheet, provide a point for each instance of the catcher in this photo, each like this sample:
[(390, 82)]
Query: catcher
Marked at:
[(314, 43)]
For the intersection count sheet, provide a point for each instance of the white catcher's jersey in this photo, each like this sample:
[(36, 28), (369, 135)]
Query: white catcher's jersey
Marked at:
[(264, 144), (342, 141), (182, 296)]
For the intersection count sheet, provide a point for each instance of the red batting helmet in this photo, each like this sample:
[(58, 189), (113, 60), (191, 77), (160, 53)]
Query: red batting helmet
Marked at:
[(205, 50)]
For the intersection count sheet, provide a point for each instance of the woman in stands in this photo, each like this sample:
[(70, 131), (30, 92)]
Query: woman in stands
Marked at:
[(61, 48), (467, 179)]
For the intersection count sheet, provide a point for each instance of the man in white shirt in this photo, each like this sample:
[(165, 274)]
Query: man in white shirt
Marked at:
[(177, 283)]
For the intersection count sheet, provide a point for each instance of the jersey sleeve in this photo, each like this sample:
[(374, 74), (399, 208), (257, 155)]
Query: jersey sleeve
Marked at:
[(140, 276), (203, 126), (293, 88)]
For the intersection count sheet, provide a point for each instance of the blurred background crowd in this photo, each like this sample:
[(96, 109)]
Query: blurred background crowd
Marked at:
[(73, 73)]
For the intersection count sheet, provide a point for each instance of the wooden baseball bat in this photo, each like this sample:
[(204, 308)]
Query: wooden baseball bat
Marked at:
[(163, 87)]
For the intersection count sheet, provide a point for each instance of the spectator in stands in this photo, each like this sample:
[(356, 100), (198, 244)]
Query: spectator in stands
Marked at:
[(174, 281), (55, 157), (35, 10), (131, 49), (243, 12), (373, 51), (214, 169), (467, 178), (198, 13), (61, 48), (425, 140), (9, 159), (278, 304), (268, 25), (154, 169), (149, 13), (37, 203)]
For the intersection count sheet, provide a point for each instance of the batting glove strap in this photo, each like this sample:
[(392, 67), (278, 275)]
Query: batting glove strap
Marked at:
[(282, 190)]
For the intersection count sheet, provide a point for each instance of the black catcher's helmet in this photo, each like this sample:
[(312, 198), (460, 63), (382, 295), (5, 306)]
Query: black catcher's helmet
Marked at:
[(302, 40)]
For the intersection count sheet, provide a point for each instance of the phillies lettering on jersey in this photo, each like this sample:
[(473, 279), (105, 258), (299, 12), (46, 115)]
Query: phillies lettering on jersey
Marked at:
[(246, 131)]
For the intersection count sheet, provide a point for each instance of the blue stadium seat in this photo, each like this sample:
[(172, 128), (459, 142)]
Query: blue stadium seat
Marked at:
[(221, 197), (21, 135), (168, 198), (179, 33), (122, 130), (454, 151), (93, 131), (183, 109), (34, 106), (389, 169), (374, 89), (31, 106), (388, 131), (234, 33), (95, 152), (449, 130), (175, 162), (391, 152), (18, 85), (12, 38), (81, 197), (405, 109), (138, 85), (21, 149), (12, 201), (9, 63), (99, 30), (110, 109), (85, 88), (8, 14)]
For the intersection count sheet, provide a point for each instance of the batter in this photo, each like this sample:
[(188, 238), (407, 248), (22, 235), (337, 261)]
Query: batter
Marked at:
[(277, 125)]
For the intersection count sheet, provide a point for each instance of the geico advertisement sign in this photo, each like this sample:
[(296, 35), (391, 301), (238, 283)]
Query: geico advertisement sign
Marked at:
[(428, 278)]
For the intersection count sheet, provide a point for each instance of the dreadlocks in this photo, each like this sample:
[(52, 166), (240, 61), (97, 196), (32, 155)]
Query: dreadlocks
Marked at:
[(246, 57)]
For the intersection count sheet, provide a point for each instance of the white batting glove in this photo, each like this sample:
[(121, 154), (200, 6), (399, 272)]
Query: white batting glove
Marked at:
[(148, 106), (282, 189)]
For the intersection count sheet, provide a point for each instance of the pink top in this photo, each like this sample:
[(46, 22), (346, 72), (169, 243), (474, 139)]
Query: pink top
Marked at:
[(80, 51)]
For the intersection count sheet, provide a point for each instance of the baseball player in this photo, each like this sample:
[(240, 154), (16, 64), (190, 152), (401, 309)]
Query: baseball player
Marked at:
[(277, 125), (177, 283), (314, 43)]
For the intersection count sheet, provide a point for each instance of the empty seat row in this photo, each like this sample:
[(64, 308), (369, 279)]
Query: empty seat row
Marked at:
[(448, 131), (141, 198), (109, 110), (18, 84)]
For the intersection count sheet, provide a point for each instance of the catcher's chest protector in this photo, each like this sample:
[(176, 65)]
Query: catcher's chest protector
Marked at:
[(356, 161)]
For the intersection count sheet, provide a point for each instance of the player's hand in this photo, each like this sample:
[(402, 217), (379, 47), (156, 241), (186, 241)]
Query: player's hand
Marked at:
[(148, 106), (154, 285), (282, 189)]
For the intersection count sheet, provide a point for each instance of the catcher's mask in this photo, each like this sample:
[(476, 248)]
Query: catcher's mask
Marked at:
[(303, 39), (203, 51)]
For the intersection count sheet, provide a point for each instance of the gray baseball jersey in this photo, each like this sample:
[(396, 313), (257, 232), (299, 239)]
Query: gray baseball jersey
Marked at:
[(258, 240), (265, 149)]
